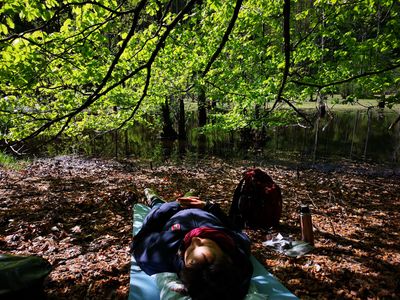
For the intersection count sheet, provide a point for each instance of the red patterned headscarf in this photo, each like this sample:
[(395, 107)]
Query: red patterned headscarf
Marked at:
[(221, 238), (227, 244)]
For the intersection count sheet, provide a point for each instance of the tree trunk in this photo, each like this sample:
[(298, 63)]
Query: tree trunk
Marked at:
[(168, 130), (126, 142), (202, 108), (181, 120)]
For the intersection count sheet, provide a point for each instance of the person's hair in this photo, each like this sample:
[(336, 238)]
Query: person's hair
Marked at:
[(220, 280)]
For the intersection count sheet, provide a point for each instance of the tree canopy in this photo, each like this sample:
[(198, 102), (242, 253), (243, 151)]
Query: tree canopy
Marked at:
[(70, 66)]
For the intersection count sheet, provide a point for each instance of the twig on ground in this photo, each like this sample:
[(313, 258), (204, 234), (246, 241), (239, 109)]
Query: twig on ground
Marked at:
[(324, 214)]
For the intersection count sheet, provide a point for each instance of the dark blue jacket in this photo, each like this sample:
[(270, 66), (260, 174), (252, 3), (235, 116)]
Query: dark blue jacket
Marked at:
[(156, 246)]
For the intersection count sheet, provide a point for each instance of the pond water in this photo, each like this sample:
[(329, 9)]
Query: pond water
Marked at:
[(345, 135)]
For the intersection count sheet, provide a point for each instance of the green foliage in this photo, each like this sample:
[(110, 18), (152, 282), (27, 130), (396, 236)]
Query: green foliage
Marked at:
[(10, 162), (75, 67), (6, 160)]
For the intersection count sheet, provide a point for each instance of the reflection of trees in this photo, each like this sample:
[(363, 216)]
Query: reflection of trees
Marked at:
[(356, 121), (358, 134), (368, 131), (316, 128), (349, 134), (396, 138)]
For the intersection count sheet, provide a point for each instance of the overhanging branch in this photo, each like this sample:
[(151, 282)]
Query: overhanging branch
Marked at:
[(99, 92), (365, 74), (298, 111), (93, 97)]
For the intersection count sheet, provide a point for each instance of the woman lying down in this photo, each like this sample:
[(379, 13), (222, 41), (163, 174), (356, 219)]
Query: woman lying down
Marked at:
[(196, 240)]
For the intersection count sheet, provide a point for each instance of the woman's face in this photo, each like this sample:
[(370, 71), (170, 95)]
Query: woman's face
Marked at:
[(202, 251)]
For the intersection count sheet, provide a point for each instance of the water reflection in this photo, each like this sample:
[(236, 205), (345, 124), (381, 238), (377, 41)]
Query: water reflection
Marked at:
[(350, 135)]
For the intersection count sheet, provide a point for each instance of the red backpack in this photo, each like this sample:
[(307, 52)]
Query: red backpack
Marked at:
[(257, 201)]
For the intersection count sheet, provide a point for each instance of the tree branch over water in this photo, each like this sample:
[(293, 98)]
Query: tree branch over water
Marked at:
[(99, 92), (96, 94), (89, 65), (298, 111), (364, 74)]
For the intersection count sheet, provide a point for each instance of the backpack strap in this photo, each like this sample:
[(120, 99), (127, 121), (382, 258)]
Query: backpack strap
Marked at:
[(234, 211)]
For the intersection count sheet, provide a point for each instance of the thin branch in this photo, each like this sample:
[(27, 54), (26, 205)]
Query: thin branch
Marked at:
[(394, 123), (222, 44), (92, 29), (298, 111), (99, 5), (302, 39), (119, 13), (225, 37), (41, 47), (332, 15), (286, 36), (144, 94), (18, 35), (15, 151), (365, 74), (22, 113), (225, 92)]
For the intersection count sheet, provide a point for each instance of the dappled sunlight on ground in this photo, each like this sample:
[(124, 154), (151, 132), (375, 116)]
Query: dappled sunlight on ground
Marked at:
[(76, 213)]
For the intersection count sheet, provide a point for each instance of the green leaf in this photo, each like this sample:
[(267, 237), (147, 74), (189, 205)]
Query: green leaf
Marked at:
[(3, 29), (10, 23)]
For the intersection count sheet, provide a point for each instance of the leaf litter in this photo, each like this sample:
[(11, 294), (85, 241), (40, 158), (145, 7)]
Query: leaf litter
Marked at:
[(76, 213)]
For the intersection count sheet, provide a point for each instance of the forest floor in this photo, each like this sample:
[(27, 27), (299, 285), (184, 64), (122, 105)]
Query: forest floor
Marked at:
[(77, 214)]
